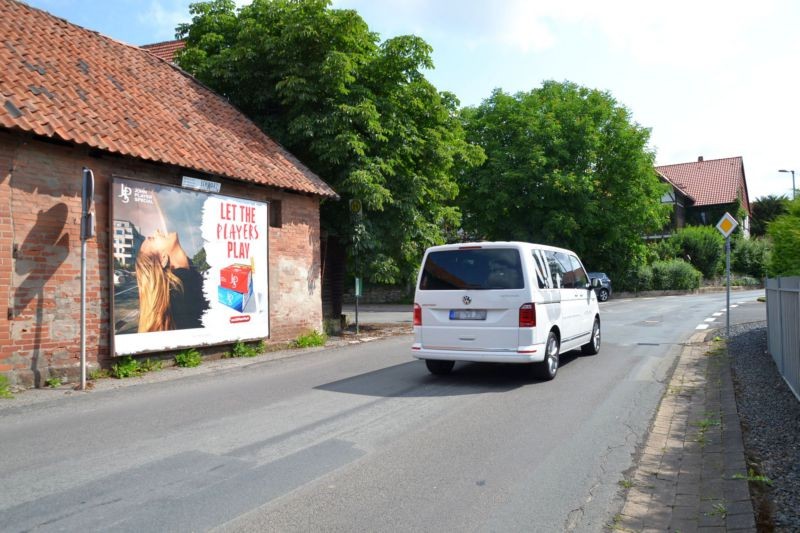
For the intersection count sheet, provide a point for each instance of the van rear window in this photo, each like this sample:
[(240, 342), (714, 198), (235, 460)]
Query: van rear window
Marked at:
[(477, 269)]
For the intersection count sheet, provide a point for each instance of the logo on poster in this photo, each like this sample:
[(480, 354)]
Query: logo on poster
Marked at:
[(125, 193)]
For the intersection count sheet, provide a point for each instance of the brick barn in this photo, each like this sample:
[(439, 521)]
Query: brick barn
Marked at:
[(203, 173)]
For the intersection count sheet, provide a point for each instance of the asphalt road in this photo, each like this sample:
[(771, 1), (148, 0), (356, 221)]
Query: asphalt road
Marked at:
[(360, 438)]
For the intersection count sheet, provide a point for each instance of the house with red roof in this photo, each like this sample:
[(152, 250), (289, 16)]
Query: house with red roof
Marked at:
[(703, 190), (206, 231), (166, 50)]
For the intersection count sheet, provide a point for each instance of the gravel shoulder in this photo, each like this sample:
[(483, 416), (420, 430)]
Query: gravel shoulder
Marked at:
[(770, 418)]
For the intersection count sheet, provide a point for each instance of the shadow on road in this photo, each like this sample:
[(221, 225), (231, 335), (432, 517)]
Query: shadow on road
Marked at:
[(412, 380)]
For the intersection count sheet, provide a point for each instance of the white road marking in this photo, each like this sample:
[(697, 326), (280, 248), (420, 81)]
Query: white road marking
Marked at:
[(710, 319), (717, 314), (702, 326)]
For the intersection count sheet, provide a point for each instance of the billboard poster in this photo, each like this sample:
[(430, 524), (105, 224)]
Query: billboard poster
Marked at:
[(190, 267)]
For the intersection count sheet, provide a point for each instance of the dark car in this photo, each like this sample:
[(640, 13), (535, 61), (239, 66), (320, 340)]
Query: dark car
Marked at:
[(604, 290)]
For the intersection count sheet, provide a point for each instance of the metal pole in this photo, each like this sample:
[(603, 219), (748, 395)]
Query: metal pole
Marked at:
[(793, 189), (728, 291), (357, 298), (83, 311)]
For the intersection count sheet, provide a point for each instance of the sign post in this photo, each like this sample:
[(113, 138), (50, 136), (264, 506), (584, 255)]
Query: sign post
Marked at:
[(87, 232), (358, 295), (726, 225), (355, 214)]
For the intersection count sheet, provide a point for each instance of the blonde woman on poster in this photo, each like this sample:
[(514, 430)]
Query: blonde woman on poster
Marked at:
[(170, 288)]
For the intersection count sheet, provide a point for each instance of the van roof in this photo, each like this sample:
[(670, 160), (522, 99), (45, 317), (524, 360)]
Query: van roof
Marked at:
[(496, 244)]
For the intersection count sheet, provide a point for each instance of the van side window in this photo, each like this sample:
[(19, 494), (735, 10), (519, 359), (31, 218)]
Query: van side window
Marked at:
[(556, 270), (568, 281), (541, 271), (579, 274)]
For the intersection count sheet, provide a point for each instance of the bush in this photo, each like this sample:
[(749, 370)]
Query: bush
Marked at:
[(188, 358), (241, 349), (675, 274), (785, 233), (126, 368), (637, 280), (745, 281), (663, 250), (750, 256), (312, 338), (703, 247)]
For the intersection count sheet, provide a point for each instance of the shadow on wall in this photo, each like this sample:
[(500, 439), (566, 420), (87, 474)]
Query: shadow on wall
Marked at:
[(44, 250)]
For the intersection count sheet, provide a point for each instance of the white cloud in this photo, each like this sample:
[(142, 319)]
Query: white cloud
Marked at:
[(163, 16)]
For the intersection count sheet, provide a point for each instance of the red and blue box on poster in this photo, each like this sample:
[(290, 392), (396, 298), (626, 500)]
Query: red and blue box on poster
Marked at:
[(235, 286)]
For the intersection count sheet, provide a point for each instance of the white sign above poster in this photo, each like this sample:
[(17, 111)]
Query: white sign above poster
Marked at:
[(200, 185)]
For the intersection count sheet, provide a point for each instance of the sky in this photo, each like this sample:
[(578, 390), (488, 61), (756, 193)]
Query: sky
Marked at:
[(711, 78)]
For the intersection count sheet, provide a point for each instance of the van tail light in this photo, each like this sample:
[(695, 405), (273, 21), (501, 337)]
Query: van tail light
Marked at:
[(417, 315), (527, 316)]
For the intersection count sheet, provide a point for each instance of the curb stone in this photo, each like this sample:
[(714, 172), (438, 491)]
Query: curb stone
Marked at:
[(691, 474)]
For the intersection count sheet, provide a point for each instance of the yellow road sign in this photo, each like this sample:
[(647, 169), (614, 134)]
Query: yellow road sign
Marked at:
[(727, 224)]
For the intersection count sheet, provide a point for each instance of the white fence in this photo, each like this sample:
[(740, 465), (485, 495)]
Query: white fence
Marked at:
[(783, 328)]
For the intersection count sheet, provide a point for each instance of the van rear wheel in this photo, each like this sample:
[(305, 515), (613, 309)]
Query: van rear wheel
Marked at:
[(593, 346), (547, 369), (440, 368)]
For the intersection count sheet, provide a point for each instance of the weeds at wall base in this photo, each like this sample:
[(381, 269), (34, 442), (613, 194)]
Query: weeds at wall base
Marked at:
[(5, 391)]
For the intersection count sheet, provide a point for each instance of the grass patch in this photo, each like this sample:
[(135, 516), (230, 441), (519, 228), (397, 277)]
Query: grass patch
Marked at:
[(625, 483), (752, 477), (718, 509), (99, 373), (5, 390), (188, 358), (127, 367), (151, 365), (310, 339), (704, 426), (53, 382), (240, 349), (707, 423), (616, 523)]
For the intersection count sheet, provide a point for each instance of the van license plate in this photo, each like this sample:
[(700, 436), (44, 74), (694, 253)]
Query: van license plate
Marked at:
[(468, 314)]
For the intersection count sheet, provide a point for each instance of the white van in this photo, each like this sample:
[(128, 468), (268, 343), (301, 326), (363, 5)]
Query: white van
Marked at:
[(503, 302)]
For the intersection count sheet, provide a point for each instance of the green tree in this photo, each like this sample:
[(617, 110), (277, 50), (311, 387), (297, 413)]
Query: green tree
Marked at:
[(765, 210), (566, 165), (785, 234), (357, 112)]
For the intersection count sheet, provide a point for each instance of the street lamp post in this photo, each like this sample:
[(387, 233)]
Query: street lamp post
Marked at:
[(792, 171)]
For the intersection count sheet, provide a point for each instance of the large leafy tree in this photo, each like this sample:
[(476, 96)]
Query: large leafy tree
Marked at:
[(358, 112), (566, 166), (765, 210)]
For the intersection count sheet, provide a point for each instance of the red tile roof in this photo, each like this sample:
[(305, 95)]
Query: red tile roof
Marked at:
[(63, 81), (709, 182), (165, 50)]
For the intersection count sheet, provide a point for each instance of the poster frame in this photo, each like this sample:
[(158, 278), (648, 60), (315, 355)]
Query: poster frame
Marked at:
[(111, 270)]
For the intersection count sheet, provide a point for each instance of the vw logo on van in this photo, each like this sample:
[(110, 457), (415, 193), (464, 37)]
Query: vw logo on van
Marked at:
[(467, 300)]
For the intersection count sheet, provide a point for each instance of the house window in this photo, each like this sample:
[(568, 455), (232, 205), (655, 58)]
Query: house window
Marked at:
[(275, 220)]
